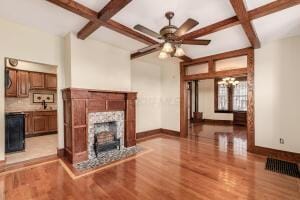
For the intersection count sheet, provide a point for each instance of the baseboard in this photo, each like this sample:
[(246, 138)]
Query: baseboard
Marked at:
[(170, 132), (60, 153), (40, 134), (217, 121), (144, 134), (284, 155), (153, 132)]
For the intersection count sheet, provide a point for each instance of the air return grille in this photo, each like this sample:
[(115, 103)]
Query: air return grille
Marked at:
[(283, 167)]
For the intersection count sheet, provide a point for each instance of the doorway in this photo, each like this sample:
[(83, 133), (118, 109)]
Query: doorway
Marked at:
[(218, 111), (30, 110), (217, 67)]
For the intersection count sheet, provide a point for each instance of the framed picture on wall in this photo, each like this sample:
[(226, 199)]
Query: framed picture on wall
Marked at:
[(39, 98)]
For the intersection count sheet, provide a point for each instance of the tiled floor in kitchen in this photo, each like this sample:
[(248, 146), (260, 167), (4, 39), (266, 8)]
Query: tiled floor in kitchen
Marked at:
[(35, 147)]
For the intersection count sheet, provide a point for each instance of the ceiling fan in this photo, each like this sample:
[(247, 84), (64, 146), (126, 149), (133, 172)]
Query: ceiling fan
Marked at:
[(171, 36)]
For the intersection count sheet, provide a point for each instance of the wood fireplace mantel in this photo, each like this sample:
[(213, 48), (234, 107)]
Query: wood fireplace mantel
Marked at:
[(78, 103)]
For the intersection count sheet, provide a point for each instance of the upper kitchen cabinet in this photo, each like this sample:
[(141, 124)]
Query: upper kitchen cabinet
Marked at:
[(50, 81), (23, 84), (37, 80), (17, 83), (11, 83)]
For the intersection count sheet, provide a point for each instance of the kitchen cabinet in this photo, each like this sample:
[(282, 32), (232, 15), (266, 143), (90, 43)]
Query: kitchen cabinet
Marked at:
[(50, 81), (23, 84), (28, 123), (40, 123), (52, 123), (17, 83), (11, 83), (37, 80)]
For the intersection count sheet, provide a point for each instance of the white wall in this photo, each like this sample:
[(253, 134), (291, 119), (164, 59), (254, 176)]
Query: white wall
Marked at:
[(207, 102), (97, 65), (277, 94), (145, 79), (170, 90), (24, 43)]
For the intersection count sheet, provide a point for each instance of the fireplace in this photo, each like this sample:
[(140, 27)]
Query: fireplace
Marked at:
[(105, 141), (87, 111), (106, 132)]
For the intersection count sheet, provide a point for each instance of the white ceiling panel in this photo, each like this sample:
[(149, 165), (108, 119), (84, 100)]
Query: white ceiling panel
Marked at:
[(95, 5), (226, 40), (42, 15), (279, 25), (116, 39), (150, 13), (252, 4)]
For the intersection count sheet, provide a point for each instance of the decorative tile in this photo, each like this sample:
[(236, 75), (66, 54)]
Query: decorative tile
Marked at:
[(105, 121), (108, 157)]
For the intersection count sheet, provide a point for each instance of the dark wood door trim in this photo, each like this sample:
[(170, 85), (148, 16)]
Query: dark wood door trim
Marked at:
[(249, 72)]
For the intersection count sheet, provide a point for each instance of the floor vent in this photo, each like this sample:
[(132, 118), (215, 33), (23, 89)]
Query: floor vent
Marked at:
[(283, 167)]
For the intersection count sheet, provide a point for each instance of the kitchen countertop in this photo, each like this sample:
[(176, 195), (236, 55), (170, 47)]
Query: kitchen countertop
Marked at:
[(24, 111)]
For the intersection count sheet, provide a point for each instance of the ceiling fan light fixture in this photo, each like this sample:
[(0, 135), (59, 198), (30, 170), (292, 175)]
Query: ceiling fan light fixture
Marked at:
[(163, 55), (179, 52), (168, 48)]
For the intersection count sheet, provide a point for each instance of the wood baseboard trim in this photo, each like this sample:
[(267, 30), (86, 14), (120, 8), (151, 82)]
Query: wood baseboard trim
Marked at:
[(170, 132), (61, 153), (149, 133), (158, 131), (216, 121), (284, 155), (40, 134)]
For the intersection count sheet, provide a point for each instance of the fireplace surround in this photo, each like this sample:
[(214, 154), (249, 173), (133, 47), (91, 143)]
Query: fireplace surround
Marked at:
[(80, 105)]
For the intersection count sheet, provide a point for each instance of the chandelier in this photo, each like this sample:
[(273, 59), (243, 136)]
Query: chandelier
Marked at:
[(228, 81)]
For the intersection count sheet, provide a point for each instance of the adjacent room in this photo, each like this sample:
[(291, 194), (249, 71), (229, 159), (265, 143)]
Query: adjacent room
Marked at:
[(30, 110), (149, 99)]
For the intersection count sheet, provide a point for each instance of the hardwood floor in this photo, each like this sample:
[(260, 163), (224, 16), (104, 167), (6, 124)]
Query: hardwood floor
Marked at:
[(176, 168)]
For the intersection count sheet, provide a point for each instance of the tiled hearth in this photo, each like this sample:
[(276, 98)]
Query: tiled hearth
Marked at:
[(105, 121)]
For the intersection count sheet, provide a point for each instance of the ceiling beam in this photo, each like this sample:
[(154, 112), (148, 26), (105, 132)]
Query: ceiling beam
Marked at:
[(272, 7), (112, 8), (91, 15), (242, 14), (140, 54), (232, 21), (216, 57), (262, 11)]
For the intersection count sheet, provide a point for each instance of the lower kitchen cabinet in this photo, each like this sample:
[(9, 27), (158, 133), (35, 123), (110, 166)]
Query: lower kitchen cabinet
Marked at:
[(40, 123)]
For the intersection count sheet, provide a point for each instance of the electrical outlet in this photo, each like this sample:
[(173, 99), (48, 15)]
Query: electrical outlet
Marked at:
[(281, 141)]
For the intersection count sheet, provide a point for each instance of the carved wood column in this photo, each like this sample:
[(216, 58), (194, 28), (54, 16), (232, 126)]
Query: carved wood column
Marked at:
[(130, 123)]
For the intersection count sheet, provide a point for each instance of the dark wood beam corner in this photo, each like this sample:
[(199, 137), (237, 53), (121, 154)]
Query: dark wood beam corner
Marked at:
[(242, 14), (112, 8)]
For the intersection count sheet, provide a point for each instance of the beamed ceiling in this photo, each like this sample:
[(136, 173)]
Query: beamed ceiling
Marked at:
[(229, 24)]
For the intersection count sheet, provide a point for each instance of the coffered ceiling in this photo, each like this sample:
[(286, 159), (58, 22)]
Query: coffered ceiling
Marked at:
[(46, 16)]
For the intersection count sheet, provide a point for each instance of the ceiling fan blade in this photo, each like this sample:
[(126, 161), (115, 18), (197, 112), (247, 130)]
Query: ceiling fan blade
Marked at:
[(140, 54), (186, 26), (154, 46), (147, 31), (196, 42)]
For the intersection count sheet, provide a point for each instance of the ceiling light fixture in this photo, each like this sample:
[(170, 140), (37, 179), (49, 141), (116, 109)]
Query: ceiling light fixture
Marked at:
[(179, 52), (168, 47), (163, 55), (228, 81)]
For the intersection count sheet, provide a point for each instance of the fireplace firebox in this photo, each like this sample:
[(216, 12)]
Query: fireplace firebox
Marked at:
[(105, 141)]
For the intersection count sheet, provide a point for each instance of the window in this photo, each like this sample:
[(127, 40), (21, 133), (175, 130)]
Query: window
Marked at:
[(222, 98), (240, 97), (229, 99)]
